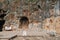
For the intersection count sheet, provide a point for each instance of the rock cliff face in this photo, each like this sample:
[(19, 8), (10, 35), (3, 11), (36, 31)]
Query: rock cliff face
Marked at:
[(33, 9), (39, 10)]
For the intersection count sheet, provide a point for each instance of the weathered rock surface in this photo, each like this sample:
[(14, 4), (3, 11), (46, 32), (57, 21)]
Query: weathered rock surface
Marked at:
[(52, 23)]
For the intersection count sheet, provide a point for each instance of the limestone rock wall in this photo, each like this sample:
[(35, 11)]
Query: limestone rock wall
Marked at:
[(45, 10), (39, 10)]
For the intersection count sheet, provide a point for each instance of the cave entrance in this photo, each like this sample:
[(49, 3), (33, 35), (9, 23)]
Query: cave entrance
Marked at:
[(1, 24), (2, 21), (24, 21)]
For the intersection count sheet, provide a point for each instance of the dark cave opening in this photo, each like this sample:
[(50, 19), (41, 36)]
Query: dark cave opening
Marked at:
[(24, 20), (2, 21), (1, 24)]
